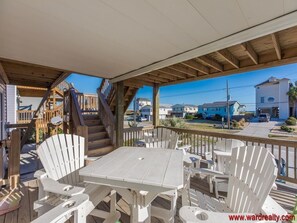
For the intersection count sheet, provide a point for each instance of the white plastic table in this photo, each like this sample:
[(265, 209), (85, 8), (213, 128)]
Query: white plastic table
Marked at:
[(138, 175)]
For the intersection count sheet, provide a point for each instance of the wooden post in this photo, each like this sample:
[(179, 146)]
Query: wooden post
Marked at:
[(14, 159), (119, 113), (82, 130), (156, 105)]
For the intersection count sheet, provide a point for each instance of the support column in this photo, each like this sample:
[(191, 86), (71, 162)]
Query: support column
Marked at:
[(119, 113), (156, 105)]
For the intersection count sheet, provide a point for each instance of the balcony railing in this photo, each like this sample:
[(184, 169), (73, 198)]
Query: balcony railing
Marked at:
[(203, 141)]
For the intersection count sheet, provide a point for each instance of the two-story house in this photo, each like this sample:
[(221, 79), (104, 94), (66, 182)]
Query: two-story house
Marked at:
[(164, 111), (272, 98), (180, 110), (141, 102), (220, 108)]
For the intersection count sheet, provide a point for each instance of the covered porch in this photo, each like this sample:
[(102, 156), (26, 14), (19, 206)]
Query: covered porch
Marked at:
[(126, 64)]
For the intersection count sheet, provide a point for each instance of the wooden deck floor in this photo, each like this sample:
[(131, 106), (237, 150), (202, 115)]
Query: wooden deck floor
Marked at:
[(284, 196)]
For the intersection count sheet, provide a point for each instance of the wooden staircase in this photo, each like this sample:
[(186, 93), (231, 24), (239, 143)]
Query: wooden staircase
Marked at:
[(99, 142)]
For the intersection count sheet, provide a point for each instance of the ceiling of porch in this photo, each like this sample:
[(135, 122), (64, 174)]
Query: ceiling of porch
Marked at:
[(270, 50), (117, 39)]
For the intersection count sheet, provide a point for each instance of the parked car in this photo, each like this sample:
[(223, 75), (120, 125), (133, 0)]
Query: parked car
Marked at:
[(141, 119), (264, 117)]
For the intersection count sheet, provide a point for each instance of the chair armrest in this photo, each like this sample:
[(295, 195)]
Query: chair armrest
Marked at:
[(194, 214), (39, 174), (53, 186), (270, 207), (184, 147), (64, 211), (207, 171)]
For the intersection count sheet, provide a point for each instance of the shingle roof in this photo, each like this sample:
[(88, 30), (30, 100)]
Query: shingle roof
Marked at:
[(143, 99), (217, 104), (184, 105)]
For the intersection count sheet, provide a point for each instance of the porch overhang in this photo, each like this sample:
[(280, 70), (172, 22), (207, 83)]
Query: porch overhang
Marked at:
[(122, 40)]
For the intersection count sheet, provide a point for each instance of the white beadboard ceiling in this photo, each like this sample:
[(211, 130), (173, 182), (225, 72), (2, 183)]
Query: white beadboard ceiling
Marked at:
[(109, 38)]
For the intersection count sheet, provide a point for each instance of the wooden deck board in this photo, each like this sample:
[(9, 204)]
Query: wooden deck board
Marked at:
[(284, 196)]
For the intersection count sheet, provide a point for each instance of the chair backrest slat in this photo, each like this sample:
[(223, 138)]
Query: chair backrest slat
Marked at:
[(61, 155), (252, 174), (161, 138)]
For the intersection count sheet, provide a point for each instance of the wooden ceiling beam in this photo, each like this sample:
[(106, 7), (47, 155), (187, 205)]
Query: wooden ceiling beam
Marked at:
[(276, 45), (211, 63), (161, 79), (62, 77), (229, 57), (3, 75), (186, 70), (147, 79), (173, 73), (250, 52), (196, 66), (163, 75)]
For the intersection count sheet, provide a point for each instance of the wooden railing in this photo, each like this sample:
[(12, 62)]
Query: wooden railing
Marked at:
[(203, 141), (87, 102), (24, 116), (73, 119), (106, 117)]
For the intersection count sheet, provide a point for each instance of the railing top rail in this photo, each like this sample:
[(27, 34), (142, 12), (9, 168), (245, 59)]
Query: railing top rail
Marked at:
[(105, 106), (142, 128), (278, 142)]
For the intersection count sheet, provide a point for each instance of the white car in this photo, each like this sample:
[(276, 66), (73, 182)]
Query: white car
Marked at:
[(141, 119)]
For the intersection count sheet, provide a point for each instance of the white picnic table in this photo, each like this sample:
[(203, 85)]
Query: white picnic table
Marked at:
[(138, 175)]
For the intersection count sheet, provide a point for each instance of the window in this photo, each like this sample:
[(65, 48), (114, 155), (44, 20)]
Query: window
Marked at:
[(270, 99), (262, 99)]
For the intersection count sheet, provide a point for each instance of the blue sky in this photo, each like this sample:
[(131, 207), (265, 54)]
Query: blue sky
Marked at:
[(199, 92)]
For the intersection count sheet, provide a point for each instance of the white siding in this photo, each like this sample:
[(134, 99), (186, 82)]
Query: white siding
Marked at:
[(11, 103)]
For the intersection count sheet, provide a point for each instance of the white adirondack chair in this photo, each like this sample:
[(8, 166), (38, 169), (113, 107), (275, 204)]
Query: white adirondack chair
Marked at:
[(252, 174), (62, 156), (218, 165)]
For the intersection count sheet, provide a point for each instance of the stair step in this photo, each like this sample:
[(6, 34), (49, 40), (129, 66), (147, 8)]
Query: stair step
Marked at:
[(96, 129), (100, 151), (92, 122), (97, 136), (99, 143), (90, 117)]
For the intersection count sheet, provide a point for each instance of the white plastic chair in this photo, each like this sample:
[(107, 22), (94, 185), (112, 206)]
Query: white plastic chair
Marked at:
[(252, 174), (62, 156)]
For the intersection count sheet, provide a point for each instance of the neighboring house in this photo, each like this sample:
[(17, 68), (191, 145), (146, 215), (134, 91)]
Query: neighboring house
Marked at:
[(220, 108), (164, 112), (141, 102), (180, 110), (272, 98)]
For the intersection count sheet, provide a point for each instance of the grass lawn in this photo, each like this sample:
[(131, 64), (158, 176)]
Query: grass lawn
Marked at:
[(207, 125)]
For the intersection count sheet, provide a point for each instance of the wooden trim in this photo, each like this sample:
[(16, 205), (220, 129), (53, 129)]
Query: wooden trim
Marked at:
[(276, 45), (14, 159), (185, 69), (250, 52), (229, 57), (3, 75), (197, 66), (61, 78)]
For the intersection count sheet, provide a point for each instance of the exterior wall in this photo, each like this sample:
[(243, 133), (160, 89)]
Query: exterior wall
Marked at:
[(141, 103), (281, 99), (180, 111), (3, 110), (284, 107), (222, 111), (147, 112), (11, 103)]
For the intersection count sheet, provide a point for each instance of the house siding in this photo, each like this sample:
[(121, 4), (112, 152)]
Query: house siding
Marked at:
[(11, 103), (3, 112)]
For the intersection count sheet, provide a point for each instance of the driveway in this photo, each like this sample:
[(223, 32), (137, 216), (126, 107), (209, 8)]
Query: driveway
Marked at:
[(259, 129)]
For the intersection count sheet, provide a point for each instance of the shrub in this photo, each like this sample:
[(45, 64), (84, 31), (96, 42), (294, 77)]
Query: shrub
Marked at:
[(174, 122), (286, 128), (291, 121), (217, 117), (241, 122), (189, 117), (199, 116), (235, 124)]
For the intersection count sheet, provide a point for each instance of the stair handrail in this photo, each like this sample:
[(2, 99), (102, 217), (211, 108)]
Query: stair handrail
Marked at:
[(106, 116)]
